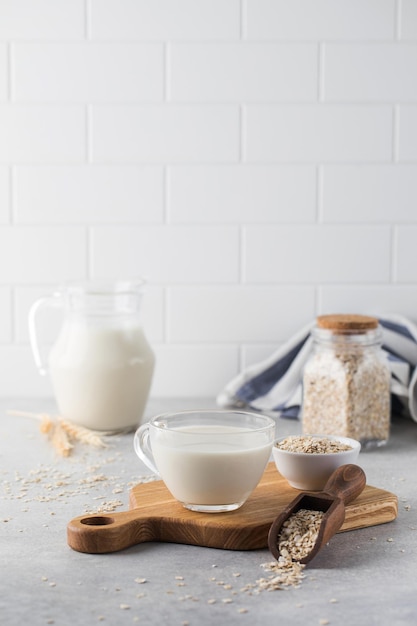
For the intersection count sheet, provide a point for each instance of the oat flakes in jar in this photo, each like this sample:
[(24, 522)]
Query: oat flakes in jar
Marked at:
[(346, 381)]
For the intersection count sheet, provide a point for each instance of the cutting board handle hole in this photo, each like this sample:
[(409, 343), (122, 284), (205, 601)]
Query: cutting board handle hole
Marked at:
[(97, 520)]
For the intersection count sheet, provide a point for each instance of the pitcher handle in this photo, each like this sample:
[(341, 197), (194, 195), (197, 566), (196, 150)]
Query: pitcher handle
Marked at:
[(54, 300)]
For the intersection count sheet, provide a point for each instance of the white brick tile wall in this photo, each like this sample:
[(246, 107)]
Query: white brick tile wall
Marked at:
[(370, 72), (180, 254), (242, 193), (320, 19), (4, 61), (233, 314), (4, 194), (250, 72), (407, 134), (193, 371), (369, 299), (330, 254), (81, 193), (370, 193), (406, 262), (88, 72), (408, 26), (165, 133), (255, 160), (6, 315), (39, 134), (42, 19), (42, 254), (165, 19), (318, 133)]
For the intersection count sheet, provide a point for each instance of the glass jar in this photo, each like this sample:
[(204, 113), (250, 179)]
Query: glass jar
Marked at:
[(346, 381), (101, 364)]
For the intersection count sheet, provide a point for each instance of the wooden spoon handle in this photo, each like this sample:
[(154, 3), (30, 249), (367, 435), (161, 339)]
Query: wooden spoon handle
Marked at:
[(110, 532), (346, 483)]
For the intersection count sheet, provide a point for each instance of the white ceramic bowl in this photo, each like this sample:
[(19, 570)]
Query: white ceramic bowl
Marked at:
[(308, 471)]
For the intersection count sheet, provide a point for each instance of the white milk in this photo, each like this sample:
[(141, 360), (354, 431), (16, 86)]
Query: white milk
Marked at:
[(101, 374), (210, 472)]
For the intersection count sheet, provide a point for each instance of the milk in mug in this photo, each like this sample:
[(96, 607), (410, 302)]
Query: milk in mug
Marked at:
[(201, 471)]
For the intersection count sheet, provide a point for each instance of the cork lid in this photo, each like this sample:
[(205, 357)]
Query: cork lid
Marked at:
[(347, 323)]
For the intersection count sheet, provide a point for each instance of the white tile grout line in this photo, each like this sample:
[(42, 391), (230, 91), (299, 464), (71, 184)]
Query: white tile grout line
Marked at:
[(9, 70), (243, 20), (397, 20), (87, 20), (166, 73)]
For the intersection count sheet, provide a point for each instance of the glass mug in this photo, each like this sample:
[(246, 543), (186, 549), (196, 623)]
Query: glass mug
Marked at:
[(210, 461), (101, 364)]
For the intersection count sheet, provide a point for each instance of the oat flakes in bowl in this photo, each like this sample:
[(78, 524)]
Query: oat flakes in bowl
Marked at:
[(307, 461)]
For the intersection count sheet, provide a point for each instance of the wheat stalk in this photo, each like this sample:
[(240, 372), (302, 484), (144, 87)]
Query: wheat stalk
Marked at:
[(85, 435), (61, 432), (60, 440)]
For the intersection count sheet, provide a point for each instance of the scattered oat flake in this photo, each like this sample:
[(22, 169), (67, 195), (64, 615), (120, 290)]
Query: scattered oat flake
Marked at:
[(179, 577), (390, 539), (211, 601), (227, 600), (125, 607), (242, 610), (323, 622), (141, 581), (333, 600)]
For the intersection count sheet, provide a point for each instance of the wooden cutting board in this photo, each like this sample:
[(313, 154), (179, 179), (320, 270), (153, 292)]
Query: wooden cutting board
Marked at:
[(154, 515)]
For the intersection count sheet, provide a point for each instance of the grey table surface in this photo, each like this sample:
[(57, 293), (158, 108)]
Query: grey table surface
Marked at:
[(362, 577)]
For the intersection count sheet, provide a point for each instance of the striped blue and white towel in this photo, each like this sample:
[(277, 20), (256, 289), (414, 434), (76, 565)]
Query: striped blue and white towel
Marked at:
[(275, 384)]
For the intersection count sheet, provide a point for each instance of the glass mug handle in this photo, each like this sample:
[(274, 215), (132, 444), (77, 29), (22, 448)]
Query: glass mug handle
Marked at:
[(41, 303), (142, 445)]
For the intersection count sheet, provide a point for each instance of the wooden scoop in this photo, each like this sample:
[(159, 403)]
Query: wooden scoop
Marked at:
[(343, 486)]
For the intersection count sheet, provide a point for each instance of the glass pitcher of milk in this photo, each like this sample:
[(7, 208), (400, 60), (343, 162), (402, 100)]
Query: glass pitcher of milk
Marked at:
[(101, 364)]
